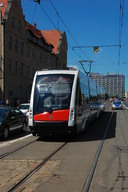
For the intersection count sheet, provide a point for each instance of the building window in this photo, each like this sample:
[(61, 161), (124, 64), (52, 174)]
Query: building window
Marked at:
[(33, 54), (10, 92), (22, 48), (10, 42), (16, 67), (10, 65), (20, 92), (40, 42), (21, 69), (45, 59), (41, 58), (28, 71), (59, 64), (13, 22), (16, 45), (19, 25), (32, 72), (29, 52), (51, 62), (35, 40)]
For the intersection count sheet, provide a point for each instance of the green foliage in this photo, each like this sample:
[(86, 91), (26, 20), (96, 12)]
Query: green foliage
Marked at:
[(106, 96)]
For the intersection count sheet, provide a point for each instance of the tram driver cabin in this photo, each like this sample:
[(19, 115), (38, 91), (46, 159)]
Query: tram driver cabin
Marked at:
[(61, 102)]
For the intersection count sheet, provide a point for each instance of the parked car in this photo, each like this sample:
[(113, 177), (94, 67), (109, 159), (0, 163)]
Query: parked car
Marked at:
[(24, 107), (117, 105), (98, 105), (11, 119), (27, 116), (101, 106)]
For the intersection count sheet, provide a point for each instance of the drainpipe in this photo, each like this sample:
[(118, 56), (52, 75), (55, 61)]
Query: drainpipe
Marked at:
[(3, 58)]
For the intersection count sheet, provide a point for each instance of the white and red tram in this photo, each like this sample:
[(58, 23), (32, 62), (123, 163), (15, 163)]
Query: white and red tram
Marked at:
[(61, 102)]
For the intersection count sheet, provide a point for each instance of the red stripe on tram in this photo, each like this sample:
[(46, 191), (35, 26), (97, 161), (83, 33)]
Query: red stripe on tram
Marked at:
[(59, 115)]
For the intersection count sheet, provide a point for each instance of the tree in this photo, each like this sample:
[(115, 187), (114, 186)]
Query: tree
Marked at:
[(106, 96)]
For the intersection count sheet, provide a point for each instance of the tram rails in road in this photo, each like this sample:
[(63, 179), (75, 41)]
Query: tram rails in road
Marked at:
[(87, 184), (111, 173), (36, 169), (50, 157), (15, 150)]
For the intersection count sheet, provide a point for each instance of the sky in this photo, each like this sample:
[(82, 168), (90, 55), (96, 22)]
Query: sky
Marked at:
[(87, 23)]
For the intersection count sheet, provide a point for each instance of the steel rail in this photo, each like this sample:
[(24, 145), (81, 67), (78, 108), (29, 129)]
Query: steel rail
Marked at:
[(96, 159), (36, 169), (15, 150)]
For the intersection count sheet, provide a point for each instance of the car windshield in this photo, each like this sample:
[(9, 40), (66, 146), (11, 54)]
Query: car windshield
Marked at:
[(24, 106), (117, 102), (3, 113)]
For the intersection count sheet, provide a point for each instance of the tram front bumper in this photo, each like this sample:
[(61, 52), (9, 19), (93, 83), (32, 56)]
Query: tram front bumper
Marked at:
[(51, 128)]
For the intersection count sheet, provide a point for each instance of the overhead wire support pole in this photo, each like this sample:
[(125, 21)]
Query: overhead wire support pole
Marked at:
[(120, 29), (90, 61)]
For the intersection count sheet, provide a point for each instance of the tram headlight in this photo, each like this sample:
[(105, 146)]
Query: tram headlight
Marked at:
[(72, 116), (30, 114)]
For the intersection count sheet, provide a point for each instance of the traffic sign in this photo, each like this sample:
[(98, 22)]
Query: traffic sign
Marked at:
[(95, 49)]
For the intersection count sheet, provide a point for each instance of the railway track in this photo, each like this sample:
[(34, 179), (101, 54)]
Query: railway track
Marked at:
[(44, 161), (15, 150), (88, 181), (86, 185)]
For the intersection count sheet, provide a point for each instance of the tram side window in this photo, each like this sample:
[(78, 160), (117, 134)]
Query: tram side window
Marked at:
[(93, 94), (78, 95)]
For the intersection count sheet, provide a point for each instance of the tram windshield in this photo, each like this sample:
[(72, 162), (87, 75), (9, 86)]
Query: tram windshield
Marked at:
[(52, 92)]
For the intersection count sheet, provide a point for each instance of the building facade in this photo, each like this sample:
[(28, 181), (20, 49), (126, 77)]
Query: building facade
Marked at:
[(114, 85), (24, 49)]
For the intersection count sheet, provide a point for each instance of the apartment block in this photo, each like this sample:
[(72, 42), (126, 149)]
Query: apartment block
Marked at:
[(114, 85)]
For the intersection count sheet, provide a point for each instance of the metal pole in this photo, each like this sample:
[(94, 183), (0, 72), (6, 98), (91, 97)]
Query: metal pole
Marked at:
[(3, 59)]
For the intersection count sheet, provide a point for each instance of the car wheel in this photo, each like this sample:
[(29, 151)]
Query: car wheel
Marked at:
[(6, 133), (24, 127), (33, 133)]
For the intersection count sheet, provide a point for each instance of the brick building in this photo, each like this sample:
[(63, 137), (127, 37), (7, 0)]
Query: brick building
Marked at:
[(25, 49)]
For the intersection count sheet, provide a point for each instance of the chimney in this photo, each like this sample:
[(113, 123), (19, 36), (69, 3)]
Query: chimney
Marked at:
[(35, 24)]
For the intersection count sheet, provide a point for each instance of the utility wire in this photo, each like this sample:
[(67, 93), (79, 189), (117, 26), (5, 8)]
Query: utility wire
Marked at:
[(66, 27), (90, 46), (48, 16), (58, 16), (34, 13)]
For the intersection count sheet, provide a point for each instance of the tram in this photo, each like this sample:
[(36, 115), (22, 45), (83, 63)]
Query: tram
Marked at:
[(61, 100)]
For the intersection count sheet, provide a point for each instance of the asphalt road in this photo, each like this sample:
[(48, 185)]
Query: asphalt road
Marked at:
[(70, 168)]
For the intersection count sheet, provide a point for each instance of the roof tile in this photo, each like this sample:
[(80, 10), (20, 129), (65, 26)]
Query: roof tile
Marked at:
[(3, 5), (49, 36), (52, 37)]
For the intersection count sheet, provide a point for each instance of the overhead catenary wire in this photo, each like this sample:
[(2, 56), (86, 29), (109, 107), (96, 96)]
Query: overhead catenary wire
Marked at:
[(57, 27), (66, 27), (48, 16), (34, 13), (78, 46)]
